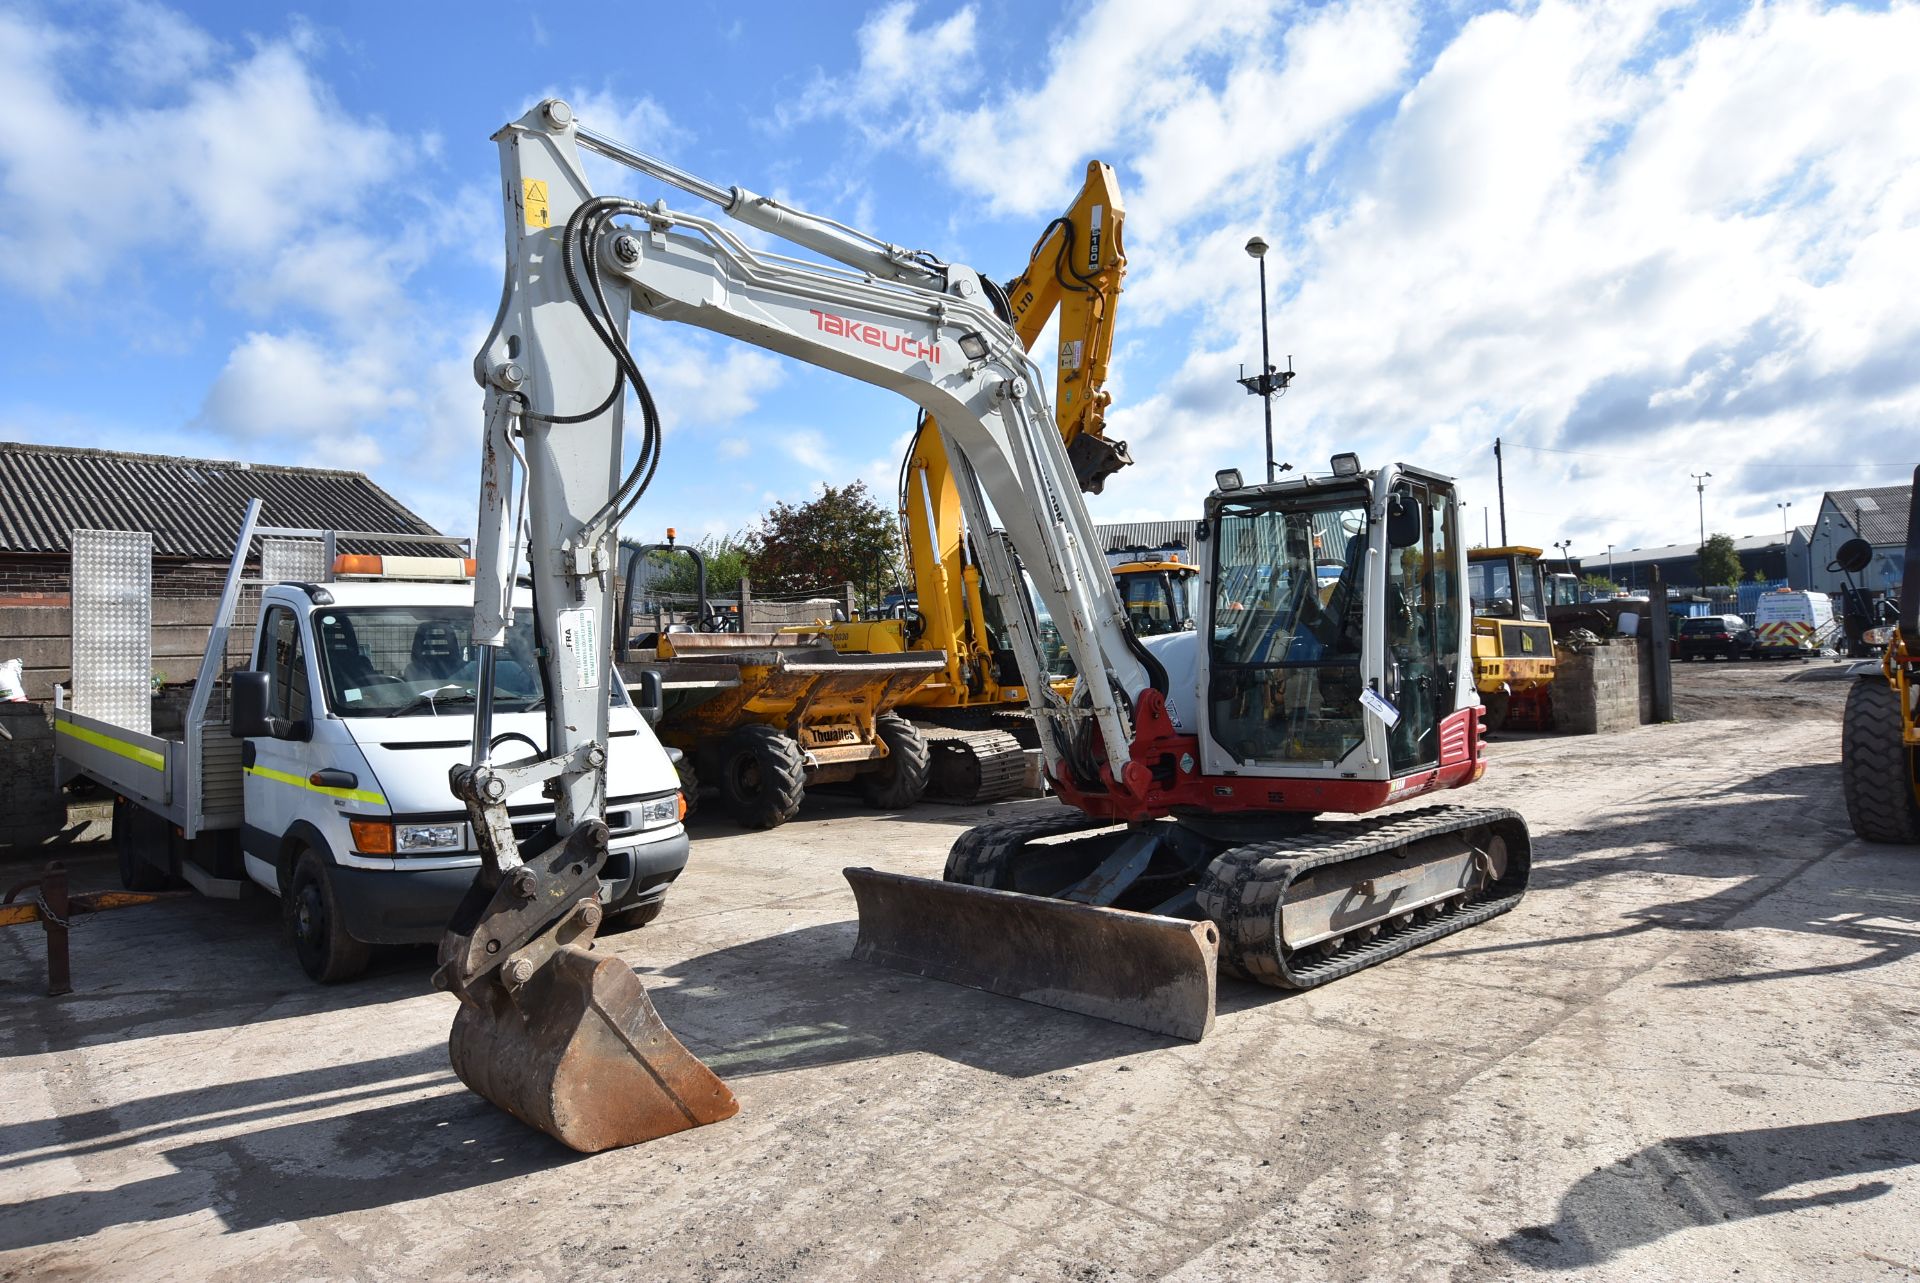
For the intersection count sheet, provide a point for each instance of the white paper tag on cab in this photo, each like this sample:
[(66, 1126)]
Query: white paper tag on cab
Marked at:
[(1387, 713), (579, 641)]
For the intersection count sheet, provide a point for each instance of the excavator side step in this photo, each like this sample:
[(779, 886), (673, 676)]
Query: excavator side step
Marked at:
[(1137, 969)]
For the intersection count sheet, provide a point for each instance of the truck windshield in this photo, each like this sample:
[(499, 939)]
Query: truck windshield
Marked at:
[(379, 661)]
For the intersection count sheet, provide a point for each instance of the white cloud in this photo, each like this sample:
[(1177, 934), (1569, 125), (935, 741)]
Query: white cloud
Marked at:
[(896, 60), (248, 156)]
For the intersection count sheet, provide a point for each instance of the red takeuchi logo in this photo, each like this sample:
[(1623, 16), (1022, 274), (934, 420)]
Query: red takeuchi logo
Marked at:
[(874, 336)]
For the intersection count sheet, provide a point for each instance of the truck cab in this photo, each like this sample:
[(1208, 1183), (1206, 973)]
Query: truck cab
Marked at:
[(367, 687)]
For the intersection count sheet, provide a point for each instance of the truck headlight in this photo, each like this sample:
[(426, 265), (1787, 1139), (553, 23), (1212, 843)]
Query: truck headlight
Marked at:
[(657, 811), (420, 839)]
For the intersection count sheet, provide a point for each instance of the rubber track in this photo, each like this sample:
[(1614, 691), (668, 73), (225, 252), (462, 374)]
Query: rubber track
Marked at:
[(998, 762), (982, 856), (1875, 767), (1243, 887)]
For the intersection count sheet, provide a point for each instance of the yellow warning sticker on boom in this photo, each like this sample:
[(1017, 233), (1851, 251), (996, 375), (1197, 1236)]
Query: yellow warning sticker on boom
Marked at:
[(534, 197)]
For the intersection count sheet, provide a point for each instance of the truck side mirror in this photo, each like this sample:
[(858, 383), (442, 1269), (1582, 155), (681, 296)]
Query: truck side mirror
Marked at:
[(249, 694), (247, 697), (649, 696)]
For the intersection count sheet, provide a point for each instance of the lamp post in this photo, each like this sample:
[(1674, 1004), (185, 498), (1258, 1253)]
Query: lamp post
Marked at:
[(1700, 489), (1269, 381), (1786, 543)]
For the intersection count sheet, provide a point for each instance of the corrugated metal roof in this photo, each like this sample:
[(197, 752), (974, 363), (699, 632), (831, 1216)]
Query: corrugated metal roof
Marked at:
[(1124, 535), (1879, 513), (192, 507)]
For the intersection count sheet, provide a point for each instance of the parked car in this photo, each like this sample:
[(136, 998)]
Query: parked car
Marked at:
[(1706, 636)]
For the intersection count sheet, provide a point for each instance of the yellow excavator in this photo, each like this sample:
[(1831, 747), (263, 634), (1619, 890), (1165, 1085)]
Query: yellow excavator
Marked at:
[(973, 714)]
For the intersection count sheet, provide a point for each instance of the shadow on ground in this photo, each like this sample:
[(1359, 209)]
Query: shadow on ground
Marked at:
[(1710, 1179)]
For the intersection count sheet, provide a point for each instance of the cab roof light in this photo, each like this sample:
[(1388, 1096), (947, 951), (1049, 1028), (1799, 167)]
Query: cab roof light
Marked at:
[(1346, 465), (1228, 479), (367, 566)]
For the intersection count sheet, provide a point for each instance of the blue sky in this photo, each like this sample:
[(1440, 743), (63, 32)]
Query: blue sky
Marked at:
[(1634, 240)]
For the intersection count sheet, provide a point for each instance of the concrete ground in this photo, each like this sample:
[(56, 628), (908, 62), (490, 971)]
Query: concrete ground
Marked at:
[(1693, 1052)]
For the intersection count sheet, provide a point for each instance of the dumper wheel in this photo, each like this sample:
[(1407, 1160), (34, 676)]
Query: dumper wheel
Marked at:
[(902, 778), (689, 785), (763, 776), (327, 953), (1876, 767)]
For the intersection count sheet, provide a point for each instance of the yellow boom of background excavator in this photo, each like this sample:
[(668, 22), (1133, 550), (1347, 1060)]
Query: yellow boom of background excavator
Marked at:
[(974, 713)]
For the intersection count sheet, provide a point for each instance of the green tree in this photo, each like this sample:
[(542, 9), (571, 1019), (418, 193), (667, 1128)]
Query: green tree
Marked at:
[(1600, 583), (841, 537), (1718, 563)]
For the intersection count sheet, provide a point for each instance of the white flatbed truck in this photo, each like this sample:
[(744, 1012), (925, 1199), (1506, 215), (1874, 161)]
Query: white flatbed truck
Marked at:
[(317, 769)]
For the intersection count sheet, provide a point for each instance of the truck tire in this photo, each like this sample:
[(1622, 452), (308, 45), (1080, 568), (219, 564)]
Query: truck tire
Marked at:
[(327, 953), (1876, 768), (136, 838), (763, 777), (632, 919), (902, 778)]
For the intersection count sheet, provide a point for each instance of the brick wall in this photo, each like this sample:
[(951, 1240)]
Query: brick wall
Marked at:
[(41, 635), (40, 578), (1601, 690), (30, 810)]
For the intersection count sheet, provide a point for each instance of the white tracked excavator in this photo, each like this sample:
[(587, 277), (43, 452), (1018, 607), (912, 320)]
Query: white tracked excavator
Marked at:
[(1329, 671)]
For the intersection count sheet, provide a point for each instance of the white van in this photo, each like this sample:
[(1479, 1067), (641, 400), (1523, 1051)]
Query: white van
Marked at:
[(330, 788), (1791, 624)]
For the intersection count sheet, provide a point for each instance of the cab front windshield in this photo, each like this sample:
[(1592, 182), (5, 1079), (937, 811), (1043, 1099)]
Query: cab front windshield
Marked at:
[(384, 661), (1288, 618), (1506, 589)]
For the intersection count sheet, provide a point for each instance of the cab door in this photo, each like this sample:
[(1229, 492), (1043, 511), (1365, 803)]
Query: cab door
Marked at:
[(277, 770), (1422, 621)]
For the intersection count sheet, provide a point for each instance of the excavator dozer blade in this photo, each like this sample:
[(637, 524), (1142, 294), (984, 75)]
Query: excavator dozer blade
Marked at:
[(579, 1052), (1138, 969)]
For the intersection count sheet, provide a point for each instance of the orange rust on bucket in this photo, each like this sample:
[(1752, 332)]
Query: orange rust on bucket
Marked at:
[(579, 1052)]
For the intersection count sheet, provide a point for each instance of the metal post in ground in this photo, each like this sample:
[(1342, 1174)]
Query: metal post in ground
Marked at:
[(53, 911), (1659, 650)]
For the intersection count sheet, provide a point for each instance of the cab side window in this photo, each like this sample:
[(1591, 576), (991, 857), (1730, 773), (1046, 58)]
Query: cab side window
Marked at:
[(284, 659)]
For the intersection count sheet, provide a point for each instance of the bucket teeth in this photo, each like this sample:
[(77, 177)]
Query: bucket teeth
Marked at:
[(579, 1052)]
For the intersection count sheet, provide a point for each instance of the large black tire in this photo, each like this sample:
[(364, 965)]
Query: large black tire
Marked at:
[(632, 919), (763, 777), (902, 778), (689, 784), (1496, 704), (1876, 768), (327, 953), (138, 835)]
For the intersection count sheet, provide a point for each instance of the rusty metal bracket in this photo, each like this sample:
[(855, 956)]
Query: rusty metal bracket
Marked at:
[(54, 908)]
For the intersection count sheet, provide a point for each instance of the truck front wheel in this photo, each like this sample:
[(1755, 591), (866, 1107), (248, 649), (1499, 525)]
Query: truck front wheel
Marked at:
[(1876, 766), (327, 953)]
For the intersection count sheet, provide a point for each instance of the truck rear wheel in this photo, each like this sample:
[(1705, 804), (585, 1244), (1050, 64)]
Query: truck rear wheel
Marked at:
[(327, 953), (138, 836), (763, 777), (1876, 767), (902, 778)]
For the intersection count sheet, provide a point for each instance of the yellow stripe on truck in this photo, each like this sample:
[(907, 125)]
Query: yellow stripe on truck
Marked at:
[(132, 752), (300, 782)]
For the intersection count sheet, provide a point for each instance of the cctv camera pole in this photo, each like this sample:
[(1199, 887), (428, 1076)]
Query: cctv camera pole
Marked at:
[(1269, 381), (1700, 489), (1500, 475)]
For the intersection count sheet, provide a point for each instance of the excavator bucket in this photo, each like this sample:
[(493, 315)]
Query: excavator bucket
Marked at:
[(579, 1052), (1140, 969)]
